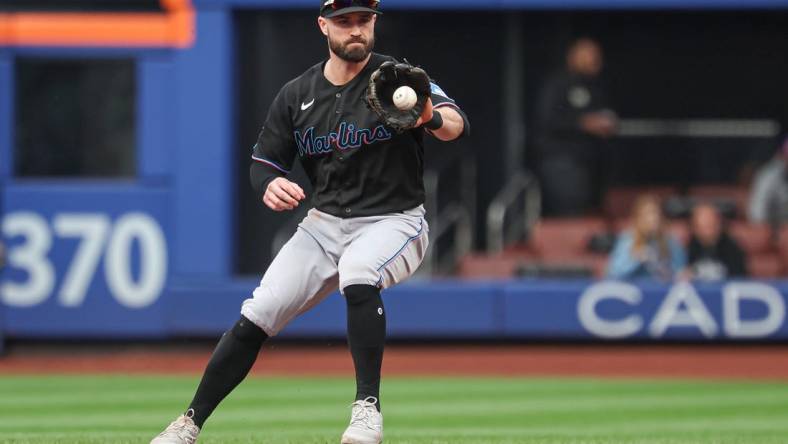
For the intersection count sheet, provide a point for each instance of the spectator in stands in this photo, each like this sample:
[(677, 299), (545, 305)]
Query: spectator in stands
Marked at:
[(574, 118), (713, 253), (769, 194), (647, 250)]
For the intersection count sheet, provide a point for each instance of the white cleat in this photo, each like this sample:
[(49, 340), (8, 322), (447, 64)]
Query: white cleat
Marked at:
[(366, 423), (181, 431)]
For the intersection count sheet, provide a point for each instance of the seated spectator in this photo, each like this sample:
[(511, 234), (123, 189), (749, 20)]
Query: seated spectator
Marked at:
[(713, 253), (646, 250), (769, 194)]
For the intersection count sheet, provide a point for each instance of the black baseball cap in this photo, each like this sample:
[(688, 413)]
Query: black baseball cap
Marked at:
[(333, 8)]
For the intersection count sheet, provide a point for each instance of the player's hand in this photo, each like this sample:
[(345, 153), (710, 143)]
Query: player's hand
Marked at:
[(282, 195), (426, 115)]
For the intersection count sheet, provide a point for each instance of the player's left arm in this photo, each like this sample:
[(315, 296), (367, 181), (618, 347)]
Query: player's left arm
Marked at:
[(442, 117)]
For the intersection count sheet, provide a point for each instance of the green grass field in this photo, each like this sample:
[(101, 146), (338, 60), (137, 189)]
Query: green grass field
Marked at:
[(120, 409)]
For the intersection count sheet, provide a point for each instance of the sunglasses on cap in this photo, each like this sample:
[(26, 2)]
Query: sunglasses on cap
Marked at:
[(332, 7)]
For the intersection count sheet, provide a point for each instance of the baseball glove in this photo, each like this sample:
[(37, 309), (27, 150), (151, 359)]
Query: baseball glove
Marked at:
[(382, 84)]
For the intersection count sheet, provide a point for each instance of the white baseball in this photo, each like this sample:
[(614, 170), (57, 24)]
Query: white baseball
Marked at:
[(404, 98)]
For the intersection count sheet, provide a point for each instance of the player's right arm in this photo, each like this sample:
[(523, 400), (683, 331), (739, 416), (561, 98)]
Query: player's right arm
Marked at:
[(272, 159)]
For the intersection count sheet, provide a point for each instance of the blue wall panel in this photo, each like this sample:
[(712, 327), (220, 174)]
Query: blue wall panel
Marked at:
[(412, 310), (203, 167), (155, 117), (415, 310), (526, 310), (646, 310), (542, 309), (444, 309), (77, 267), (207, 309), (516, 310)]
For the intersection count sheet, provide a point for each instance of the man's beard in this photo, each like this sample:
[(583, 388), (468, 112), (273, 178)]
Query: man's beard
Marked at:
[(355, 54)]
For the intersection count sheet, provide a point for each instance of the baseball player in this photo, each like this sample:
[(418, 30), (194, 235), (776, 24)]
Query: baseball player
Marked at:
[(366, 231)]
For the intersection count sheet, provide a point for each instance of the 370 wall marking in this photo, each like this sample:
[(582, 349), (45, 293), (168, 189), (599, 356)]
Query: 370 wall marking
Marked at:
[(100, 241)]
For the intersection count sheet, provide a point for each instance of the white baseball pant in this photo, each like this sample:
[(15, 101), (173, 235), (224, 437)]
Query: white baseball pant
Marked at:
[(328, 252)]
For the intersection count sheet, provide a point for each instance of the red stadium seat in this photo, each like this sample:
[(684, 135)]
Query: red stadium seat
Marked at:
[(765, 265), (618, 201), (753, 238), (595, 263), (782, 246), (559, 246), (482, 266), (736, 194), (764, 258), (558, 239)]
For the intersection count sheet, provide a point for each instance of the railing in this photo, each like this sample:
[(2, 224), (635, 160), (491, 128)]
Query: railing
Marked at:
[(454, 219), (699, 128), (522, 188)]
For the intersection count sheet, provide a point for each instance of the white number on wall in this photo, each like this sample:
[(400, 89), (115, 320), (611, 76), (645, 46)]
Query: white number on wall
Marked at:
[(92, 230), (97, 236), (153, 259), (30, 256)]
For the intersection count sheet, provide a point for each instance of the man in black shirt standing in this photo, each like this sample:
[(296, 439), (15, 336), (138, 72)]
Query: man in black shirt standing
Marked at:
[(366, 232), (573, 119)]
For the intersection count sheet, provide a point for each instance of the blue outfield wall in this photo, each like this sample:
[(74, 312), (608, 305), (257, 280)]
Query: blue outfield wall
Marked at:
[(526, 310), (533, 309), (428, 310)]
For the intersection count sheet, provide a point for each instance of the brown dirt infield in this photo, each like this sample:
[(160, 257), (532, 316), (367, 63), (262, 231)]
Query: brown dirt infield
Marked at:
[(640, 361)]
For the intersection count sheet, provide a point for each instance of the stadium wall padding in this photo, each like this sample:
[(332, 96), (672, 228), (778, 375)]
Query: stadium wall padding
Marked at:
[(515, 310)]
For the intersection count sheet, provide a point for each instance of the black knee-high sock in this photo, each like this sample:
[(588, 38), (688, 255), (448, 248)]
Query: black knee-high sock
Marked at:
[(230, 363), (366, 332)]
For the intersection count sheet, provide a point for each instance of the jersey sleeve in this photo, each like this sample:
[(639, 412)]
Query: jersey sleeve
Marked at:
[(274, 153), (440, 99)]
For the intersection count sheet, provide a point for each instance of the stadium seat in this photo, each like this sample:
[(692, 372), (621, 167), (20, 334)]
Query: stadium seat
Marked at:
[(782, 247), (564, 238), (618, 201), (719, 193), (753, 238), (559, 247), (764, 258), (556, 248), (765, 265), (482, 266)]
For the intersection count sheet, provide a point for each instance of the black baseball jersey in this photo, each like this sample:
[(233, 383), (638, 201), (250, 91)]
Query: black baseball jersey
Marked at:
[(357, 165)]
